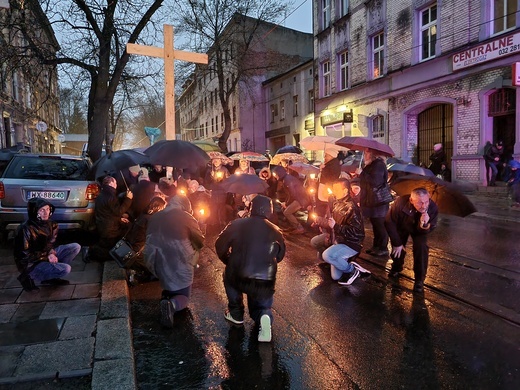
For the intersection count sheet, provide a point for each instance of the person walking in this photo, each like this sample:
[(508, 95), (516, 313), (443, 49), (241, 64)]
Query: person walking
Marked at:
[(342, 244), (171, 252), (35, 255), (412, 215), (373, 176), (251, 249)]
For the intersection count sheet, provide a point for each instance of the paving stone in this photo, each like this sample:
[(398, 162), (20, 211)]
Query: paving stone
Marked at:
[(86, 277), (47, 293), (112, 341), (7, 312), (9, 359), (30, 332), (28, 312), (109, 372), (71, 308), (87, 291), (59, 356), (80, 327), (10, 295)]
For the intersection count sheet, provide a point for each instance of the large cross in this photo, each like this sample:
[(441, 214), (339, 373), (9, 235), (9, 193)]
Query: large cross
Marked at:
[(169, 54)]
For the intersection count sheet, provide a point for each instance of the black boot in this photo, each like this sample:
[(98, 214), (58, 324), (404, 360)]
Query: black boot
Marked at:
[(27, 283)]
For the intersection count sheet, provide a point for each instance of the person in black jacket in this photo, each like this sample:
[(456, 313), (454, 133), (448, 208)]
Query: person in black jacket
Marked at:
[(344, 239), (111, 225), (494, 155), (330, 171), (251, 248), (412, 215), (297, 198), (34, 252), (437, 158)]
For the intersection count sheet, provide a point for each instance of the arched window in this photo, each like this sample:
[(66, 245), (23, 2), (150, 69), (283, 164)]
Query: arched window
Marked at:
[(502, 102)]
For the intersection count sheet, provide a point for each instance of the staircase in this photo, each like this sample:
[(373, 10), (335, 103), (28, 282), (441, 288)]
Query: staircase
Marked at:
[(494, 201)]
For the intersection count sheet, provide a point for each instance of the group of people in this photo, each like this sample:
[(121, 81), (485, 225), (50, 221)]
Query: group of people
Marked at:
[(158, 219)]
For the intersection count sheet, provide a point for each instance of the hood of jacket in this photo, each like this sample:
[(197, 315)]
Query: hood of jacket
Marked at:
[(279, 172), (179, 202), (265, 170), (261, 206), (34, 204)]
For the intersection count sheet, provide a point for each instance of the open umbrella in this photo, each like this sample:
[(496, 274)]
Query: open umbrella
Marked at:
[(225, 159), (362, 143), (320, 142), (294, 157), (410, 168), (304, 169), (207, 146), (116, 161), (176, 153), (244, 184), (249, 156), (446, 195), (289, 149)]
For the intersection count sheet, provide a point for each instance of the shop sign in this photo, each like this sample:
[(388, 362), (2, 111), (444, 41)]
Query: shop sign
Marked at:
[(498, 48), (329, 119)]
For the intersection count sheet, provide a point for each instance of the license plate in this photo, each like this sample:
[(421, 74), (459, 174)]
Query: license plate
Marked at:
[(60, 195)]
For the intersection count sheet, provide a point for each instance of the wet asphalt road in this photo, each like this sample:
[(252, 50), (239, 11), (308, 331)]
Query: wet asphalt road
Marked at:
[(374, 334)]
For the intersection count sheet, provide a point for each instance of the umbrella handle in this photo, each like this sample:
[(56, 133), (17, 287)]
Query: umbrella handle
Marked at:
[(124, 181), (362, 158)]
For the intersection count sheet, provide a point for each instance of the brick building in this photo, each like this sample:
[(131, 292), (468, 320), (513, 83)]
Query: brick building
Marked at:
[(418, 72), (29, 100)]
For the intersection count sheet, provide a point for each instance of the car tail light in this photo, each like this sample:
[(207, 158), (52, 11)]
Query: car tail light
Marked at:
[(92, 191), (2, 190)]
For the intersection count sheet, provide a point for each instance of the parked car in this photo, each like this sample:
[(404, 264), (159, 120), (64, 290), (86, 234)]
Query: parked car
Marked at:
[(61, 179)]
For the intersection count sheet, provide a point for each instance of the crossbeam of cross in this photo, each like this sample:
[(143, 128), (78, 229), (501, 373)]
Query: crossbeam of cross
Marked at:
[(169, 54)]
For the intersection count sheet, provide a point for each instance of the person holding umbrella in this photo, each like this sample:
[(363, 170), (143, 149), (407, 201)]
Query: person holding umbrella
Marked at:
[(412, 215), (244, 168)]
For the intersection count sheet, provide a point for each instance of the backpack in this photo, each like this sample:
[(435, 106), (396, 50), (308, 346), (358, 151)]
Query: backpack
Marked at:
[(487, 147)]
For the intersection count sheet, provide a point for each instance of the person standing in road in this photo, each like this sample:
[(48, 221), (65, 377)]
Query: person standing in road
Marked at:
[(412, 215), (251, 249), (34, 252), (345, 240), (372, 177)]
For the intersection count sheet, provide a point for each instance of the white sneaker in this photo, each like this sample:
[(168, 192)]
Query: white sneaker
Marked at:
[(229, 317), (264, 335), (360, 268), (348, 278)]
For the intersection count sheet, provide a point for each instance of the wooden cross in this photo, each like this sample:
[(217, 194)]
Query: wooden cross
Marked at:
[(169, 54)]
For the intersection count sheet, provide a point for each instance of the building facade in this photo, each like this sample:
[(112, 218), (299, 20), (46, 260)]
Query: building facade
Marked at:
[(274, 50), (29, 100), (414, 73), (289, 105)]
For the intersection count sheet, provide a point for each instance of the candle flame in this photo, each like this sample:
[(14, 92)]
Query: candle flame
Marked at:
[(312, 176), (329, 191), (201, 211)]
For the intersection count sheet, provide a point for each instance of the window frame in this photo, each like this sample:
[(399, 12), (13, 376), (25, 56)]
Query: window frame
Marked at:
[(326, 79), (378, 127), (325, 14), (493, 20), (295, 105), (343, 7), (310, 96), (428, 27), (343, 67), (380, 52)]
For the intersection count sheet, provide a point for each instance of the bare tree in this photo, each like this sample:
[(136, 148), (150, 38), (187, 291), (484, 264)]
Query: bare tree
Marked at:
[(231, 39), (73, 118), (93, 36)]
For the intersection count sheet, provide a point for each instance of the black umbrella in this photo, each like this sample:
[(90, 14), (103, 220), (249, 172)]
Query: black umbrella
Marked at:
[(289, 149), (113, 163), (446, 195), (178, 154), (410, 168), (244, 184)]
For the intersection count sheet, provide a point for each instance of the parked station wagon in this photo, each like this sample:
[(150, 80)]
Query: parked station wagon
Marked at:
[(61, 179)]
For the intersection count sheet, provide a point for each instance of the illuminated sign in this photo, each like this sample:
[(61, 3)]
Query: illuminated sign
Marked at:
[(498, 48), (330, 119)]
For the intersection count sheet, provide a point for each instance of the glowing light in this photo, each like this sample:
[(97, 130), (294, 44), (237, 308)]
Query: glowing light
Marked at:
[(314, 215), (201, 211), (312, 176), (312, 190), (219, 174), (182, 192), (329, 191)]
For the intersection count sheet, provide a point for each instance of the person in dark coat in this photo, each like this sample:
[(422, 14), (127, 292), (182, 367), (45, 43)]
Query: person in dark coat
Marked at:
[(265, 175), (251, 248), (173, 242), (330, 171), (344, 241), (143, 192), (156, 172), (373, 176), (412, 215), (34, 253), (297, 198), (111, 224), (437, 158), (493, 157)]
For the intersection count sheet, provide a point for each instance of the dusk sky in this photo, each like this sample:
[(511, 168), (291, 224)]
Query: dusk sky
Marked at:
[(301, 19)]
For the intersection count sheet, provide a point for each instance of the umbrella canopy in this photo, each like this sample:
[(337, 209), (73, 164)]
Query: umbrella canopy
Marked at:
[(304, 169), (320, 142), (176, 153), (410, 168), (249, 156), (294, 157), (244, 184), (447, 196), (225, 159), (362, 143), (116, 161), (289, 149), (207, 146)]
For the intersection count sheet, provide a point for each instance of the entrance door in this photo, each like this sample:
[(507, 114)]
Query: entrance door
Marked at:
[(504, 130), (435, 125)]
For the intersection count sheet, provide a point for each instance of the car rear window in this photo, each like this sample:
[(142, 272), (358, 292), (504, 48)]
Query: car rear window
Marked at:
[(49, 168)]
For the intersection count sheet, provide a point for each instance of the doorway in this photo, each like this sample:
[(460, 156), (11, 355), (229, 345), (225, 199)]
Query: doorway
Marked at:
[(435, 125)]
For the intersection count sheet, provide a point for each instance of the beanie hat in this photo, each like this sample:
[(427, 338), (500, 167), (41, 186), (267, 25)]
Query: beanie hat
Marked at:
[(134, 169)]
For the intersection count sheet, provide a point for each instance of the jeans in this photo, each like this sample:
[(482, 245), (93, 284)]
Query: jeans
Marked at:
[(65, 254), (257, 306), (494, 172), (180, 297), (290, 211), (337, 256)]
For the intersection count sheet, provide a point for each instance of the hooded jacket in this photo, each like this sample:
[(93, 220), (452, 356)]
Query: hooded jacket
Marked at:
[(34, 239), (349, 228), (251, 247), (108, 212), (173, 239), (294, 187)]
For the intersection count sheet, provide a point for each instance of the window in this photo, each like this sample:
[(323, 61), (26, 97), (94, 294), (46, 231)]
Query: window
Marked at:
[(503, 15), (274, 112), (343, 7), (206, 130), (14, 86), (311, 101), (343, 70), (428, 37), (378, 126), (216, 124), (282, 110), (212, 125), (295, 105), (222, 121), (378, 53), (234, 114), (326, 78), (325, 14)]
